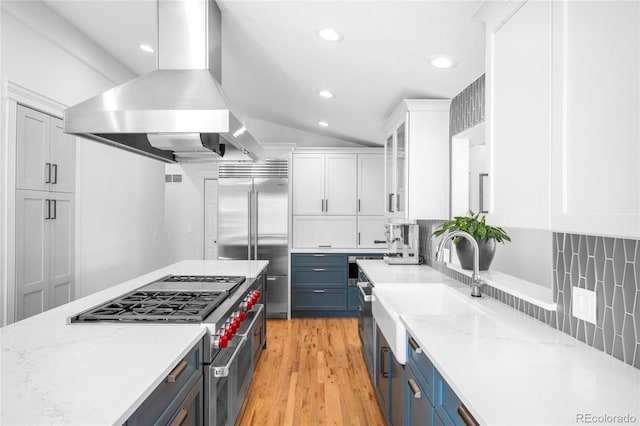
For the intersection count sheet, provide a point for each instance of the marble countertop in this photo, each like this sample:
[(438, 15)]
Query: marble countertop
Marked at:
[(95, 374), (509, 368)]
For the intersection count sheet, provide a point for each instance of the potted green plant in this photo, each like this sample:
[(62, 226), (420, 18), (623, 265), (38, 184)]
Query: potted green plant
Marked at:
[(485, 235)]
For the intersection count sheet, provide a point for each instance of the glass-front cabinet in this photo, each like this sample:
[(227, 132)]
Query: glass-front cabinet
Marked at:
[(417, 160)]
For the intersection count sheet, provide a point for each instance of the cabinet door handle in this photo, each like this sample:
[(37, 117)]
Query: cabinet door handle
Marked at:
[(176, 372), (55, 209), (397, 197), (326, 205), (48, 216), (319, 291), (319, 269), (414, 345), (358, 238), (318, 254), (322, 205), (358, 205), (48, 165), (324, 245), (390, 209), (380, 241), (55, 174), (415, 390), (180, 418), (383, 372), (466, 416)]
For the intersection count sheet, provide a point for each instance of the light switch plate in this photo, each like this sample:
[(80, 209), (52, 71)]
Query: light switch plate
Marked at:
[(583, 304)]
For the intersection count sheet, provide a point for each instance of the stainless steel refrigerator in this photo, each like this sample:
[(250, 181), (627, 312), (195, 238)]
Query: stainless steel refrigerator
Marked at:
[(253, 224)]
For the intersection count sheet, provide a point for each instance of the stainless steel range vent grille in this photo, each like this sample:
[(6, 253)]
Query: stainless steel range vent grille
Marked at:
[(268, 169)]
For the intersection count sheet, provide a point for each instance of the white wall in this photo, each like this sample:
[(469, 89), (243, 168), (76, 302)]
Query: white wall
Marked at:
[(120, 196), (184, 220)]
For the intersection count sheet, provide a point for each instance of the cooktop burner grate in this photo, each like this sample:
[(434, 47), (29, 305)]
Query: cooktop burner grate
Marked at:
[(170, 306)]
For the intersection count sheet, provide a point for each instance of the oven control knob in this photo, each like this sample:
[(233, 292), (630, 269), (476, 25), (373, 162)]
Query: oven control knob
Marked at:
[(220, 342), (242, 315), (236, 324), (228, 331)]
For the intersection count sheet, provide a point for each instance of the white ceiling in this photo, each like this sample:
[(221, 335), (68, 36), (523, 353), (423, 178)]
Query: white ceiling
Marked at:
[(274, 64)]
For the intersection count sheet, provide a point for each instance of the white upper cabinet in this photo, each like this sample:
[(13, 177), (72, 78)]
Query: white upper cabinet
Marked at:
[(563, 108), (520, 112), (45, 155), (324, 184), (417, 160), (370, 184), (596, 177)]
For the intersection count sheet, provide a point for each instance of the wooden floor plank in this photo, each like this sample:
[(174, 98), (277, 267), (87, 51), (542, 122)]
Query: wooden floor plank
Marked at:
[(312, 373)]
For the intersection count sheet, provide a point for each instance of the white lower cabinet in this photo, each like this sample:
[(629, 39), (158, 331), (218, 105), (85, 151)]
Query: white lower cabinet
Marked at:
[(371, 232), (324, 231), (44, 251)]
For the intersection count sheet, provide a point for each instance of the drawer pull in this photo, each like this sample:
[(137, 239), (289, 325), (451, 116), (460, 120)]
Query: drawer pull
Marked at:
[(318, 291), (175, 373), (415, 390), (319, 255), (319, 269), (180, 418), (466, 416), (414, 345), (324, 245)]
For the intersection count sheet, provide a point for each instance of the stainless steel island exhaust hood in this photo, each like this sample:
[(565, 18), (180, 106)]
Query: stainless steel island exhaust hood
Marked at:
[(178, 112)]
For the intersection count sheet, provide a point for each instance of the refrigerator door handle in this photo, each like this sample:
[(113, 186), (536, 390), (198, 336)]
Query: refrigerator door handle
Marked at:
[(249, 226), (255, 230)]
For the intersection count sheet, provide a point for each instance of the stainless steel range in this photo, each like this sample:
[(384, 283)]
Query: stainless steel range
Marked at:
[(231, 309)]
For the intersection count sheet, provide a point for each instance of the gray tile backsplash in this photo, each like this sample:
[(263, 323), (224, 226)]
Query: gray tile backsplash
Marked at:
[(610, 266)]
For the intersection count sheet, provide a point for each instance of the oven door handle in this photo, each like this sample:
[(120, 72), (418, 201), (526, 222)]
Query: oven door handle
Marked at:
[(258, 312), (366, 297), (223, 370)]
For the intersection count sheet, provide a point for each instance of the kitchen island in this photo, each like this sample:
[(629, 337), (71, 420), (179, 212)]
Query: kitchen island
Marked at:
[(506, 367), (54, 372)]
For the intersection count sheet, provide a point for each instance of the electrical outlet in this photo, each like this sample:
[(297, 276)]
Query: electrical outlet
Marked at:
[(583, 304)]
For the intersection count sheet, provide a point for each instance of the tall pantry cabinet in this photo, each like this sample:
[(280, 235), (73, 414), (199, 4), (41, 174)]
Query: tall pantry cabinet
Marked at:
[(45, 184)]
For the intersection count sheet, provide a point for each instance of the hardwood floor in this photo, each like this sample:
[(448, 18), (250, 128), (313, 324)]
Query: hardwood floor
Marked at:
[(312, 373)]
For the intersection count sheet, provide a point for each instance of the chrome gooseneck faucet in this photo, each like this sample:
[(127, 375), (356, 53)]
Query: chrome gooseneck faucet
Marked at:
[(476, 281)]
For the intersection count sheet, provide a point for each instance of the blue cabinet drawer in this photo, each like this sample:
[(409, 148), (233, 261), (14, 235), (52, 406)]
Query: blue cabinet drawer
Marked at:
[(320, 299), (422, 365), (319, 260), (446, 402), (418, 407), (319, 276)]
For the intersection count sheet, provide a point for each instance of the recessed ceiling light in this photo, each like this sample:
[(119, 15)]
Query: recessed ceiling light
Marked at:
[(326, 94), (323, 123), (329, 34), (147, 48), (443, 62)]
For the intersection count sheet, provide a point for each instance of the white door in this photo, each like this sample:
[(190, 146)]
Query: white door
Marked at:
[(61, 231), (370, 184), (32, 253), (62, 158), (371, 232), (210, 219), (340, 184), (308, 184), (33, 169), (520, 111)]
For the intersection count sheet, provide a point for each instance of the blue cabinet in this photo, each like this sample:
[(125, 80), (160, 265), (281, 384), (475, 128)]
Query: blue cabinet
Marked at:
[(437, 403), (179, 397), (389, 385)]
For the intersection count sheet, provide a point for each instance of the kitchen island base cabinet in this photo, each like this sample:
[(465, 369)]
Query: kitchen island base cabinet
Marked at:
[(179, 398)]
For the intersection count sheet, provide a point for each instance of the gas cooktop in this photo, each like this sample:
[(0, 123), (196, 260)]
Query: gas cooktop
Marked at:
[(174, 298)]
